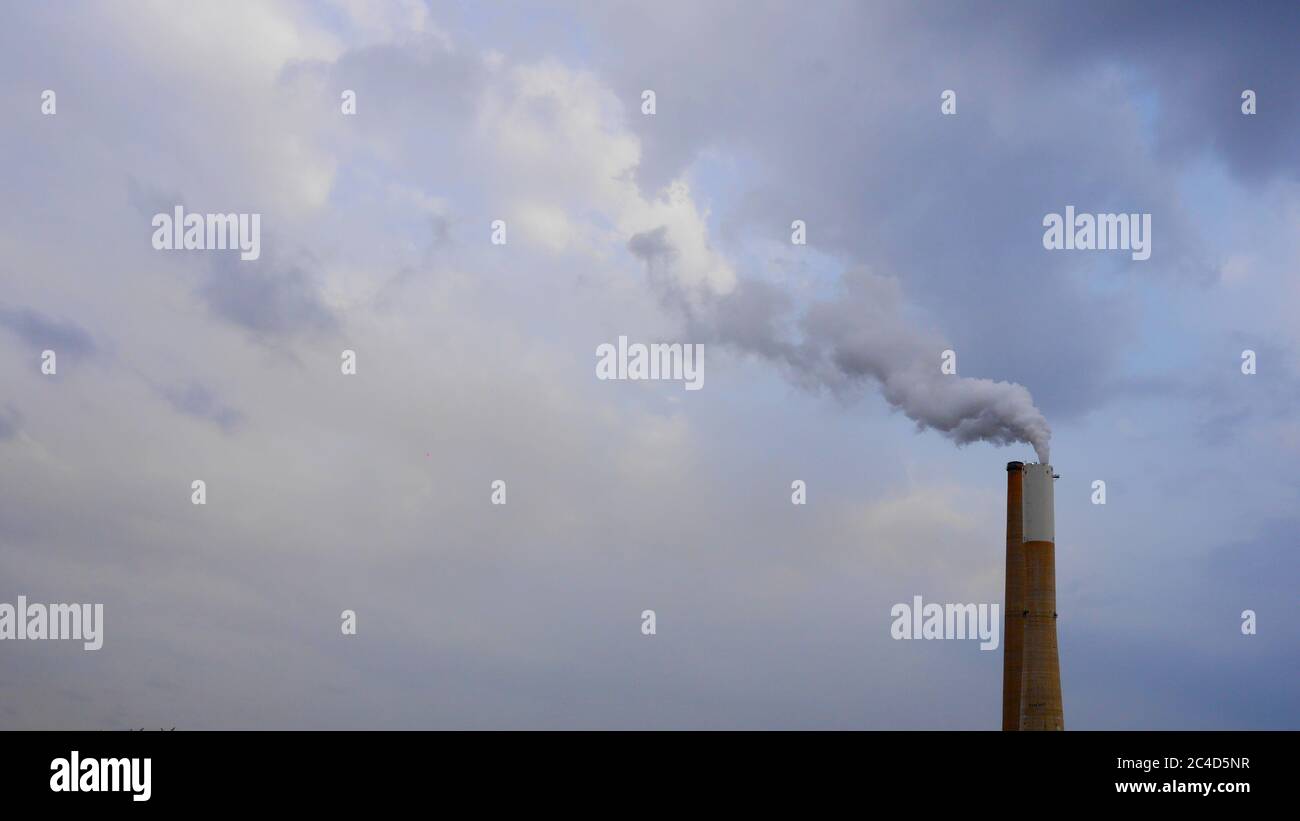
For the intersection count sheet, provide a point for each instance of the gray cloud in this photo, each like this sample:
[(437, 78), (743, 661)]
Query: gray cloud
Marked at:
[(1195, 65), (839, 125), (10, 420), (198, 401), (148, 201), (41, 332), (269, 299)]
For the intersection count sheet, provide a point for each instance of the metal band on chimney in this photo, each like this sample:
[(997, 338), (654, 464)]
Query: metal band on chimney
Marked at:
[(1040, 520)]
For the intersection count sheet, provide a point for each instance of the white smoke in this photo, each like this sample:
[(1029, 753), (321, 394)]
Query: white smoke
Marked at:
[(838, 345)]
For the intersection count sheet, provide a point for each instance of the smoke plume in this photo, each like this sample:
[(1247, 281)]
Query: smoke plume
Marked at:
[(866, 335)]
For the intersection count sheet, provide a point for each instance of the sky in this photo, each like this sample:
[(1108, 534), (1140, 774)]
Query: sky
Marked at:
[(476, 362)]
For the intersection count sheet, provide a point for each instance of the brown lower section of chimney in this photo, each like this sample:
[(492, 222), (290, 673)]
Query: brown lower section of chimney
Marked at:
[(1040, 701), (1013, 620)]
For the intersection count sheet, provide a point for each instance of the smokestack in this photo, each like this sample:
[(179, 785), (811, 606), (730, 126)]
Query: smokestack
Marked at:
[(1013, 617), (1040, 699)]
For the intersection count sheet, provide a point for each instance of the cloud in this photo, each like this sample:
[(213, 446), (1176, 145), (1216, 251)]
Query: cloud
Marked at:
[(269, 299), (1196, 67), (41, 332), (198, 401), (10, 420), (840, 126)]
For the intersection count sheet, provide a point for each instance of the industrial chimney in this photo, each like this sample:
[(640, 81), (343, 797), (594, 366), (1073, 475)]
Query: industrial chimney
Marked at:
[(1013, 607), (1040, 675)]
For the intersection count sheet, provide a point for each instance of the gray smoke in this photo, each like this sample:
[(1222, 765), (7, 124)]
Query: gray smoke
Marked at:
[(838, 345)]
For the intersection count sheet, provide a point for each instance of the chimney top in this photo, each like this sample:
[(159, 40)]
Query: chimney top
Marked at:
[(1011, 466)]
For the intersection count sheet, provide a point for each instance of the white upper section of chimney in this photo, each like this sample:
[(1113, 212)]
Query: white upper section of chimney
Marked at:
[(1039, 504)]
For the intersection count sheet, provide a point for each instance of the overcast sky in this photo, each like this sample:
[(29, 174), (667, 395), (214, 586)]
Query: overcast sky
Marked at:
[(476, 362)]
